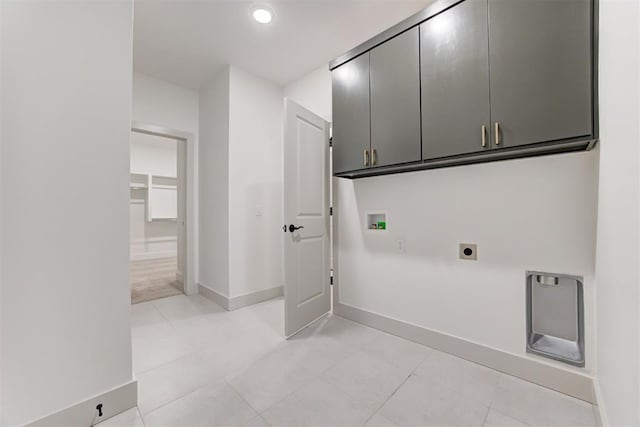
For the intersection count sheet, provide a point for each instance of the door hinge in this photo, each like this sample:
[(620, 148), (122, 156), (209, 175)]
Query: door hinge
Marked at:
[(330, 210), (330, 141), (331, 280)]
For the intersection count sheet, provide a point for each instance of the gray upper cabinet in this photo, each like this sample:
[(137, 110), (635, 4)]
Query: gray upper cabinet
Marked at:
[(351, 117), (454, 59), (467, 81), (395, 100), (540, 62)]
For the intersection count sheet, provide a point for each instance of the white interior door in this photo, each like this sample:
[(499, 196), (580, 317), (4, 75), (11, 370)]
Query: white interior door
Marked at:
[(306, 207)]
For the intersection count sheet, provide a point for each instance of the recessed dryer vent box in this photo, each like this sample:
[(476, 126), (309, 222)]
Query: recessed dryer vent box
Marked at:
[(555, 316), (376, 221)]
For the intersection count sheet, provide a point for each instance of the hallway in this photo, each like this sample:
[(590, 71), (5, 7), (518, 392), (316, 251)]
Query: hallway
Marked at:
[(199, 365), (152, 279)]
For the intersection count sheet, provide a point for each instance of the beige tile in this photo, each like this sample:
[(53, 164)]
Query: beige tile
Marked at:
[(496, 419), (155, 345), (318, 404), (316, 353), (184, 307), (366, 378), (173, 380), (397, 351), (257, 422), (379, 421), (467, 379), (270, 379), (421, 402), (130, 418), (214, 405), (538, 406), (344, 331), (145, 314)]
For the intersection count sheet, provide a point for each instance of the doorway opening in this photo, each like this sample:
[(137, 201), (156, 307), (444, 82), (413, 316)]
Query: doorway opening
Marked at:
[(156, 216)]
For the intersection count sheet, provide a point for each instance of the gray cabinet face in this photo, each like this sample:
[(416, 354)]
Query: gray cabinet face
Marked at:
[(351, 132), (454, 59), (540, 67), (395, 100)]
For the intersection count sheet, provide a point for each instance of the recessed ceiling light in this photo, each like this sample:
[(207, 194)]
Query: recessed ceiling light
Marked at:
[(262, 15)]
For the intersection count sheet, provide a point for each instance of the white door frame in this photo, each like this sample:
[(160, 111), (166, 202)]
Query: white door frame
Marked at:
[(190, 244)]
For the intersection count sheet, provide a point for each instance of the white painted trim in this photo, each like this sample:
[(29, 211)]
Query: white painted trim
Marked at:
[(565, 381), (239, 301), (84, 413), (215, 296), (600, 410), (191, 208), (152, 255), (251, 298), (155, 239)]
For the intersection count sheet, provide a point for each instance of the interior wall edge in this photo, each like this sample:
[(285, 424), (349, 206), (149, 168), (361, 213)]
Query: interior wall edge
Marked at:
[(600, 409), (213, 295)]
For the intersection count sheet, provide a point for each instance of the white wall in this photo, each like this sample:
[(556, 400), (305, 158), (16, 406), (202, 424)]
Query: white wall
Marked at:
[(529, 214), (154, 155), (66, 111), (173, 107), (618, 255), (255, 183), (214, 183), (164, 104), (241, 183), (310, 91)]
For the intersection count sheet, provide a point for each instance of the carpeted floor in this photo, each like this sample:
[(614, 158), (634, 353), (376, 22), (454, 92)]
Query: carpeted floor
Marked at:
[(153, 279)]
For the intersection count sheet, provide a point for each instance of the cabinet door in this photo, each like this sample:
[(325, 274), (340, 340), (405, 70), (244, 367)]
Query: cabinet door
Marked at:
[(351, 117), (454, 59), (540, 67), (395, 100)]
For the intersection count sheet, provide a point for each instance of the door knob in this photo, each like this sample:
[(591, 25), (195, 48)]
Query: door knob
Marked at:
[(293, 228)]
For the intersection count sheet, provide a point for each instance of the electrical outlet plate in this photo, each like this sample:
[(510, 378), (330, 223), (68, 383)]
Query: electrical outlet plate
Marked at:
[(468, 251)]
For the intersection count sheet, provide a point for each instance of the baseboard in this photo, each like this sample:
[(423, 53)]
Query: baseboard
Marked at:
[(565, 381), (600, 409), (239, 301), (114, 402), (215, 296)]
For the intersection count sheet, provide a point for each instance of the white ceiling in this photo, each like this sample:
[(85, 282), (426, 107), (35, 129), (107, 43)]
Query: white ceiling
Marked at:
[(187, 42)]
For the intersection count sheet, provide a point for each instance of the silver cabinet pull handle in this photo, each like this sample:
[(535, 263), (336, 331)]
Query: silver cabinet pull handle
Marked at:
[(374, 157), (366, 157), (484, 136), (497, 133)]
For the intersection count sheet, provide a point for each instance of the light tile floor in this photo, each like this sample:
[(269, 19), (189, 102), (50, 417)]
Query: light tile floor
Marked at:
[(198, 365)]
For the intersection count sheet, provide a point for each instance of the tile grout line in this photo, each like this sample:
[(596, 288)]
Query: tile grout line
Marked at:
[(258, 414), (153, 303), (388, 398), (141, 417), (486, 415), (376, 411)]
